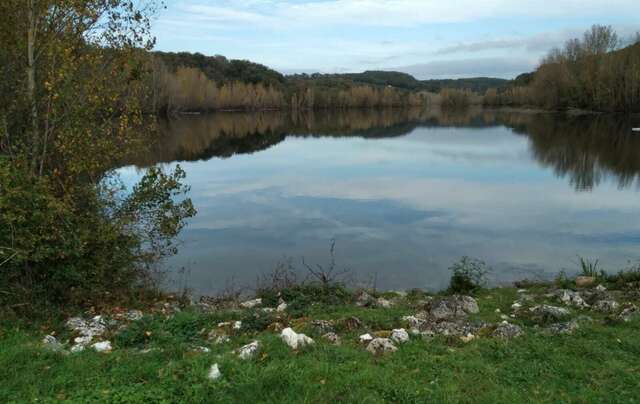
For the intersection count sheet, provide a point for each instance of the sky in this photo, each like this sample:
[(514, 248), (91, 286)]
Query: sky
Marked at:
[(425, 38)]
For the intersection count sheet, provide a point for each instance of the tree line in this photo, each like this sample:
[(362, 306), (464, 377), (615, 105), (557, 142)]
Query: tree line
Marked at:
[(178, 88), (597, 72)]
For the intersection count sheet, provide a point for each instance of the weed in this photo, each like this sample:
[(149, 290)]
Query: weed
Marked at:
[(469, 275)]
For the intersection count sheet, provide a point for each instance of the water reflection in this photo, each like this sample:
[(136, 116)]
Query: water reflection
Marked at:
[(586, 149), (405, 193)]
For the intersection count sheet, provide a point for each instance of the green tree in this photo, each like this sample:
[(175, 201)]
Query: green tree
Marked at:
[(74, 75)]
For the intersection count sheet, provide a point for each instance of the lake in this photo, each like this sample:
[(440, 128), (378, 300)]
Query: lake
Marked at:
[(404, 193)]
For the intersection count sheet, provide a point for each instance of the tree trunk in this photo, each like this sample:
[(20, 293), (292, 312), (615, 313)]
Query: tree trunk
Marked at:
[(31, 81)]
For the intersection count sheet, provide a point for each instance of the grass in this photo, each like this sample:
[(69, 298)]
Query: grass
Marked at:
[(599, 363)]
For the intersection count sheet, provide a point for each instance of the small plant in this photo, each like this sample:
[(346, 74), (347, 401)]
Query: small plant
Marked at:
[(562, 281), (329, 275), (590, 268), (468, 275)]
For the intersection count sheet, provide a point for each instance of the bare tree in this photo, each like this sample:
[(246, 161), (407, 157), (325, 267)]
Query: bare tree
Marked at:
[(329, 275), (600, 39)]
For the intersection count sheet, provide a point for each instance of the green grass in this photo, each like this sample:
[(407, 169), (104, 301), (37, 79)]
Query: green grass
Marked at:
[(599, 363)]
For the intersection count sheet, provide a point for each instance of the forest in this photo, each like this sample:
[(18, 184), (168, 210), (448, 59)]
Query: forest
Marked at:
[(598, 72)]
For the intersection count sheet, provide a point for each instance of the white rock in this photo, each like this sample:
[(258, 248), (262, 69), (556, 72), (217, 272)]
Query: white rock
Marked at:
[(601, 288), (268, 309), (134, 315), (366, 338), (77, 348), (282, 307), (293, 339), (467, 338), (214, 372), (225, 324), (498, 311), (104, 346), (202, 349), (249, 351), (222, 339), (522, 290), (52, 343), (516, 306), (332, 337), (384, 303), (400, 336), (504, 317), (413, 321), (237, 325), (250, 304), (380, 346), (95, 327)]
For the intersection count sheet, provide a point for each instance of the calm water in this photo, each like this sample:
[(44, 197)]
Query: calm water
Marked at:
[(404, 193)]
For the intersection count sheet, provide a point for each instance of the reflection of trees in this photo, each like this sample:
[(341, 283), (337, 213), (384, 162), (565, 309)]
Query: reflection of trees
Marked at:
[(587, 149)]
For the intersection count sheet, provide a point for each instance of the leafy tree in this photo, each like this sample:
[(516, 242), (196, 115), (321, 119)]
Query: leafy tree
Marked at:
[(74, 74)]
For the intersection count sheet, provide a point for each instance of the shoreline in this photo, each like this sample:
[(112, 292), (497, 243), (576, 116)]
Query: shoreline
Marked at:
[(311, 343)]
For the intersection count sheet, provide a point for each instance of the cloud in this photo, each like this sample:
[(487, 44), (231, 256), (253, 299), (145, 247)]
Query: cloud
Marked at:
[(394, 13), (495, 67)]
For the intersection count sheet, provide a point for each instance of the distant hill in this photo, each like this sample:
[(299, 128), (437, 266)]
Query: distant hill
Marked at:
[(220, 69), (408, 82)]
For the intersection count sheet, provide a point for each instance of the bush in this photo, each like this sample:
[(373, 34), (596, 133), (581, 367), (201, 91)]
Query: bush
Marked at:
[(469, 275), (89, 248)]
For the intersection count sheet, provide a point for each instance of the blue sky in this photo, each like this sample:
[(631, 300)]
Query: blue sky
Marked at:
[(429, 39)]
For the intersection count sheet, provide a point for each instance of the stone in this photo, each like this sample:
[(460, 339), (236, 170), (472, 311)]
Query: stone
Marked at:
[(571, 298), (453, 306), (77, 348), (498, 311), (563, 328), (506, 330), (134, 315), (504, 317), (384, 303), (365, 338), (628, 313), (237, 325), (248, 351), (516, 306), (381, 346), (282, 307), (352, 323), (222, 339), (202, 349), (295, 340), (214, 372), (546, 312), (400, 336), (322, 326), (584, 281), (52, 343), (364, 299), (250, 304), (452, 328), (413, 321), (601, 288), (92, 328), (268, 309), (104, 346), (332, 337), (606, 305), (467, 338)]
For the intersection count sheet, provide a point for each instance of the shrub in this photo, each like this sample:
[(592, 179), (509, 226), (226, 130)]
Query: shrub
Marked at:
[(590, 268), (85, 249), (468, 275)]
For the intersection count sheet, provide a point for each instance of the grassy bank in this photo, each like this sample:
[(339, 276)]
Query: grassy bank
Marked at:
[(166, 355)]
